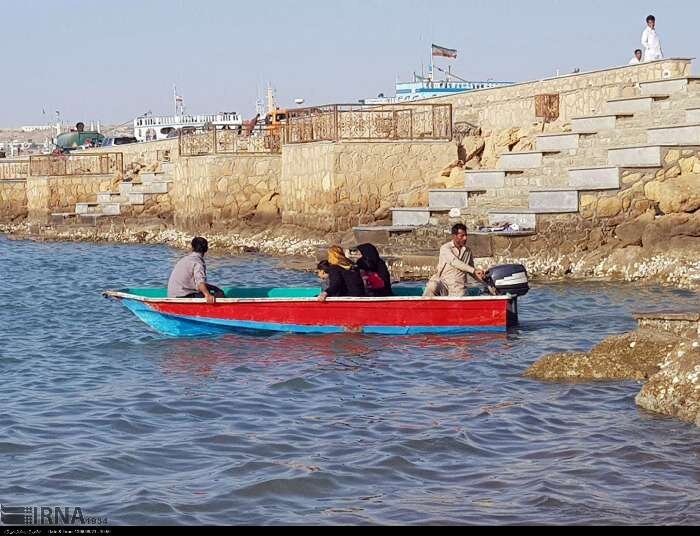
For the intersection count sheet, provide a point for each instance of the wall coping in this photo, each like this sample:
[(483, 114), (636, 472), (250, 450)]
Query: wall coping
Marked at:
[(565, 77)]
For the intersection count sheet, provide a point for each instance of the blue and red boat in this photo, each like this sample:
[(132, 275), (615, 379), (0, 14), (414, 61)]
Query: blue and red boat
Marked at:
[(297, 310)]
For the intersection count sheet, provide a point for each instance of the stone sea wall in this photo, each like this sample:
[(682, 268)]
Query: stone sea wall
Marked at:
[(46, 195), (335, 186), (13, 199), (215, 192), (580, 94)]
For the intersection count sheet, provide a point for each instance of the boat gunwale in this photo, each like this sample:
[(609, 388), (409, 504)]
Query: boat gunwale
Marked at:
[(347, 299)]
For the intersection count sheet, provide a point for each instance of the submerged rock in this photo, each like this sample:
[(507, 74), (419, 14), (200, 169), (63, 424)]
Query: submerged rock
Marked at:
[(633, 356)]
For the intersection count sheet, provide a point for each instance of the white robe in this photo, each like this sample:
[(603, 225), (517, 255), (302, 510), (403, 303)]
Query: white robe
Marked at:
[(652, 45)]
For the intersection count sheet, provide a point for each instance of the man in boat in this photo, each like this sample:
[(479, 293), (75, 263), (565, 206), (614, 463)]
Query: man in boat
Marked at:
[(189, 277), (455, 264)]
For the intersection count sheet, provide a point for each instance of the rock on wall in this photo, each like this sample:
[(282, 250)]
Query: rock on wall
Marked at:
[(213, 192), (13, 200), (335, 186)]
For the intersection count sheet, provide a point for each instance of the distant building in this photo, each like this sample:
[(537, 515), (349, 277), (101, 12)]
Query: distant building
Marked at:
[(36, 128)]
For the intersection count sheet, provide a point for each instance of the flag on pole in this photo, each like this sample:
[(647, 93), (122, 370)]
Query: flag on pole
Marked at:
[(444, 52)]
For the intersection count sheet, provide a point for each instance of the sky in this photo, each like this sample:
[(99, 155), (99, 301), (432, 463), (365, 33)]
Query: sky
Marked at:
[(112, 61)]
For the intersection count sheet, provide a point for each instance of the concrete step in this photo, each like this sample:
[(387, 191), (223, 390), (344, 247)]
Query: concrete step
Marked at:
[(486, 179), (554, 200), (675, 135), (62, 217), (416, 216), (594, 178), (559, 142), (647, 156), (452, 197), (167, 167), (379, 234), (666, 87), (526, 219), (631, 105), (93, 217), (135, 198), (111, 197), (692, 116), (521, 161), (152, 177), (596, 123), (159, 187), (111, 209)]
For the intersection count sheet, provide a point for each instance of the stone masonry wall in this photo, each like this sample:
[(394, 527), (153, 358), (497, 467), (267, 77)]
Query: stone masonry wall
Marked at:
[(60, 194), (307, 185), (580, 94), (213, 192), (13, 200), (335, 186)]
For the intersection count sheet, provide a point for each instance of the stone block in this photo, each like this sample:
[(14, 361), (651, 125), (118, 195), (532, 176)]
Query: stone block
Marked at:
[(605, 178), (677, 135), (649, 156), (555, 201)]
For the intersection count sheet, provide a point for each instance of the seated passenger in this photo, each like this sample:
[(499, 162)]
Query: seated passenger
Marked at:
[(189, 277), (344, 279), (374, 272)]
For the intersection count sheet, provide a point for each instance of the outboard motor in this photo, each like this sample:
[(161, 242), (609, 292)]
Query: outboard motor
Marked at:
[(509, 279)]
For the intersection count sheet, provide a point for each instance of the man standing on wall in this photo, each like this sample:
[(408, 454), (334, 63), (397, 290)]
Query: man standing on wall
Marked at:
[(651, 41)]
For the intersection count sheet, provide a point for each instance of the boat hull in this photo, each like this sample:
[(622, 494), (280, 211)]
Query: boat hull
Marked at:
[(388, 316)]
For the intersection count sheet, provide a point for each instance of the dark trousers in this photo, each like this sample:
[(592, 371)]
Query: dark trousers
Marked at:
[(215, 291)]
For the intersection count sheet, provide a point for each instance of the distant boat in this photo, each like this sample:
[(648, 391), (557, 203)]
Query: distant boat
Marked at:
[(151, 127), (427, 88)]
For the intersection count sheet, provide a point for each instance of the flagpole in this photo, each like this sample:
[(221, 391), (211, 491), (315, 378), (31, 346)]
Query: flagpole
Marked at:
[(432, 67)]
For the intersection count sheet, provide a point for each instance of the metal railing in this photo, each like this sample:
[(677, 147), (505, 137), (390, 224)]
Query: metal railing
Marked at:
[(14, 169), (76, 164), (261, 140), (350, 122)]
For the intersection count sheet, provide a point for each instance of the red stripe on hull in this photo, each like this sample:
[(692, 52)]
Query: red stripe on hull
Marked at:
[(352, 315)]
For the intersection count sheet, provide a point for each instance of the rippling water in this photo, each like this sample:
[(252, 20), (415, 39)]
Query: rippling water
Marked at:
[(100, 412)]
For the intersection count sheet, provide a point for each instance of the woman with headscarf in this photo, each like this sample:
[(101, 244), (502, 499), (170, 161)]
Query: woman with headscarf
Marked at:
[(374, 272), (344, 278)]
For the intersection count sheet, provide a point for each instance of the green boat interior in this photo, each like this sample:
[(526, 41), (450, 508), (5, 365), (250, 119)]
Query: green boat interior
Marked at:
[(242, 293)]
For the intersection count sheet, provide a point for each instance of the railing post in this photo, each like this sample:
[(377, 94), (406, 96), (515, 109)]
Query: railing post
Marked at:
[(336, 120), (432, 110), (216, 146)]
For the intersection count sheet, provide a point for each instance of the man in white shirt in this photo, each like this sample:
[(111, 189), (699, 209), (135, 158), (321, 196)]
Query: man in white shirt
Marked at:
[(651, 41), (637, 57)]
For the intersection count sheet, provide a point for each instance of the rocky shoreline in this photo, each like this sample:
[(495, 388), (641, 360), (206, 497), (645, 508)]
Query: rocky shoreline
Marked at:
[(664, 352), (544, 261)]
